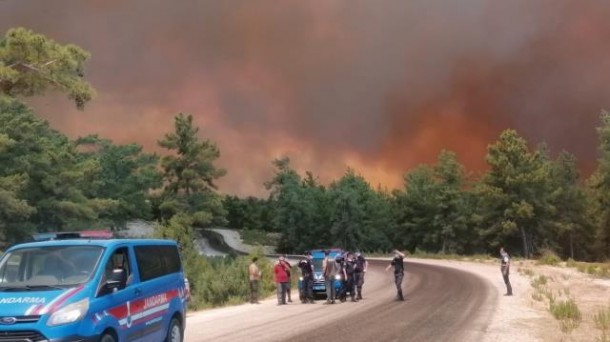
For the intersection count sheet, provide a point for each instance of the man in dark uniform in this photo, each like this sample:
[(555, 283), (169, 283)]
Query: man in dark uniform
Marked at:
[(399, 272), (306, 266), (505, 268), (349, 270), (359, 271)]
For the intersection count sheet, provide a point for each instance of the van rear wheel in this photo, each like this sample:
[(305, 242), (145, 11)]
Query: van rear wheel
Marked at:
[(174, 333), (107, 338)]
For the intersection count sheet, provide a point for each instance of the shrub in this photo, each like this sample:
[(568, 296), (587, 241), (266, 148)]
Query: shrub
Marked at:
[(526, 271), (602, 322), (567, 312), (549, 257), (571, 263), (254, 237), (214, 281), (539, 282)]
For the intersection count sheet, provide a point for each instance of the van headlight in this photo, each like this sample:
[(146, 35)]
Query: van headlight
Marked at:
[(301, 278), (70, 313), (337, 277)]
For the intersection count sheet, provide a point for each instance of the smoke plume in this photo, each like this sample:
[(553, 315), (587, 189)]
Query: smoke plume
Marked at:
[(380, 86)]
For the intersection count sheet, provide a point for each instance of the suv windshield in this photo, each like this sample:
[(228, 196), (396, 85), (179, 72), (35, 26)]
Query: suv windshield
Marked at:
[(48, 267)]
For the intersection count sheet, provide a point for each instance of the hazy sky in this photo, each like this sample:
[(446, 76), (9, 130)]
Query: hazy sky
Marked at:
[(380, 86)]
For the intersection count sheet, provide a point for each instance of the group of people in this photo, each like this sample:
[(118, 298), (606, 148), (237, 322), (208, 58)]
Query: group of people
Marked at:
[(347, 269)]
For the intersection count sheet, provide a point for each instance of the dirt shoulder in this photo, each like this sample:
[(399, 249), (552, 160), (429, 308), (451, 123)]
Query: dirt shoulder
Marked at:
[(525, 316)]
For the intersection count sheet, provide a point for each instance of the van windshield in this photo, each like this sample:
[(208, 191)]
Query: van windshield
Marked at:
[(48, 267)]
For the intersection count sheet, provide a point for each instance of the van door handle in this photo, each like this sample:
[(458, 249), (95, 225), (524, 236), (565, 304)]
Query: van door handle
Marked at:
[(137, 292)]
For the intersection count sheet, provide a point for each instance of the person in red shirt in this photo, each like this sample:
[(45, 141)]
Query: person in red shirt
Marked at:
[(280, 270)]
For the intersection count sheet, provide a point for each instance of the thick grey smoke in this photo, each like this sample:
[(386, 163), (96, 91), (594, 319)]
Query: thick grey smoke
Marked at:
[(378, 85)]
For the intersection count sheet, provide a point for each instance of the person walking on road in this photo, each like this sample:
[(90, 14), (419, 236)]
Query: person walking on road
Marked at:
[(281, 280), (399, 272), (254, 275), (359, 271), (505, 268)]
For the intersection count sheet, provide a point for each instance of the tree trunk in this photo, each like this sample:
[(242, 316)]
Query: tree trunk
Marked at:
[(526, 253), (572, 245)]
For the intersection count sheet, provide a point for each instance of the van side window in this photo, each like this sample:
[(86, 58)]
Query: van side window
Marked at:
[(157, 261), (118, 260)]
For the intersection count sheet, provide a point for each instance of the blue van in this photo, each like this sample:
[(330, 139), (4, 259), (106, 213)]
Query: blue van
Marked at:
[(93, 290)]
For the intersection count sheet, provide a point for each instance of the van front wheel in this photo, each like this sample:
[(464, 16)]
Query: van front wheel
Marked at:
[(107, 338), (174, 333)]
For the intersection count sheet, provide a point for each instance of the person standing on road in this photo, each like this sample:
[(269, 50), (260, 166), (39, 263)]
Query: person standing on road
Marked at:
[(306, 266), (340, 264), (359, 271), (254, 275), (331, 269), (281, 280), (289, 283), (505, 268), (349, 270), (399, 272)]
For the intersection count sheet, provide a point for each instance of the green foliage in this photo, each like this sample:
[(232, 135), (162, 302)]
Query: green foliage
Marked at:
[(213, 281), (300, 209), (250, 213), (31, 64), (567, 312), (42, 177), (549, 257), (121, 173), (599, 187), (434, 211), (539, 282), (190, 175), (602, 322), (357, 214), (601, 270), (515, 192), (225, 280), (259, 237)]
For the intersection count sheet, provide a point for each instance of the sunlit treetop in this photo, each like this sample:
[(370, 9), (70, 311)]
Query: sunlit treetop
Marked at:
[(32, 64)]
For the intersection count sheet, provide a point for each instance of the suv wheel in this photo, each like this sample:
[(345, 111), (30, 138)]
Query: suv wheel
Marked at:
[(174, 333), (107, 338)]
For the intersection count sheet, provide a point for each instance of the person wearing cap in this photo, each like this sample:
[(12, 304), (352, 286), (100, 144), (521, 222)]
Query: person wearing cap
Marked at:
[(307, 269), (281, 280), (399, 272), (254, 275), (359, 271)]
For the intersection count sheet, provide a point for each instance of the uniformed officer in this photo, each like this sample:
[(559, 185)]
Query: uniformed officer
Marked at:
[(349, 269), (359, 271), (399, 272), (307, 269)]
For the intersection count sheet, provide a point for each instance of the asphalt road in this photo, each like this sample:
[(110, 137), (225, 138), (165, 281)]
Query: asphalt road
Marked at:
[(443, 304)]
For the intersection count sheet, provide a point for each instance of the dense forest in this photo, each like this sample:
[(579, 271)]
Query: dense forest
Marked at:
[(529, 199)]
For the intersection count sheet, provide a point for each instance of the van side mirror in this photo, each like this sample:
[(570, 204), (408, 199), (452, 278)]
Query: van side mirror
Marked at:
[(116, 280)]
